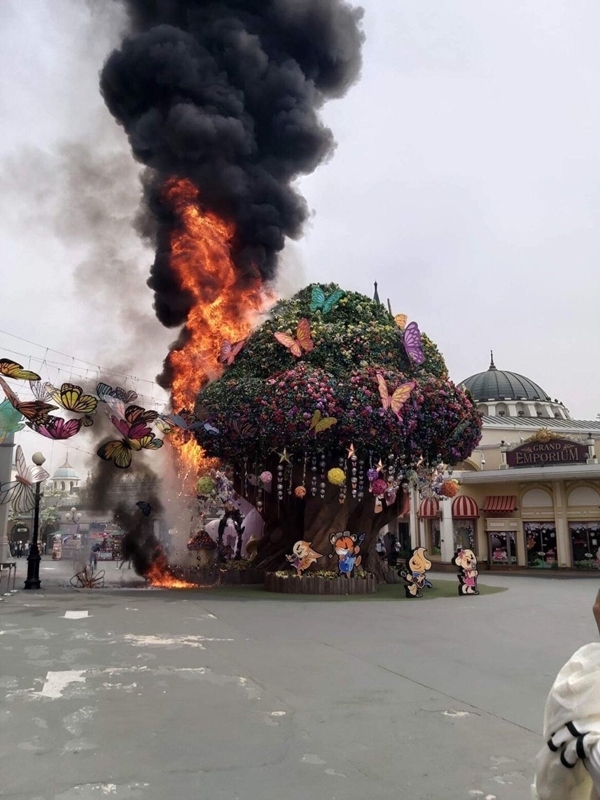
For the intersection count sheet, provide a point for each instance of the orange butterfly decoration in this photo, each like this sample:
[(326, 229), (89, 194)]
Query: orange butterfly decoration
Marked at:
[(35, 411), (396, 400), (13, 370), (302, 342)]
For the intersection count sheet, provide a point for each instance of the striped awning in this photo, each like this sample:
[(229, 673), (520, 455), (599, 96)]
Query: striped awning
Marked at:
[(429, 508), (500, 504), (464, 507)]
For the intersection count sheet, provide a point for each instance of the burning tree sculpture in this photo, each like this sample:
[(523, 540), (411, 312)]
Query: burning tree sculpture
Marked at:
[(315, 407)]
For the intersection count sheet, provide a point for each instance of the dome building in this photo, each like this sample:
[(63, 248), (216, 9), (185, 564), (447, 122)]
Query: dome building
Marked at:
[(529, 494), (499, 393), (65, 479)]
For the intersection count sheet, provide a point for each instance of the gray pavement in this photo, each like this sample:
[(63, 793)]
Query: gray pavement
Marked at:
[(152, 694)]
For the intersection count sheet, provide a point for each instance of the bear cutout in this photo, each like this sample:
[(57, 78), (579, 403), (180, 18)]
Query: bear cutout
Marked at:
[(347, 548), (415, 574)]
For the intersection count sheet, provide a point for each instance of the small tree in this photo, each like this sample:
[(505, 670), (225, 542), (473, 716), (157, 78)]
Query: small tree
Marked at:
[(273, 412)]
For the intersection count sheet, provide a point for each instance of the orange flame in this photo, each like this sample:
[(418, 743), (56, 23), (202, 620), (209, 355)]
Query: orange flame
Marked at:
[(222, 309), (161, 578)]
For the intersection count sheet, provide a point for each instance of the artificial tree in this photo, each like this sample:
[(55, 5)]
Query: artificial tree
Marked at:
[(264, 417)]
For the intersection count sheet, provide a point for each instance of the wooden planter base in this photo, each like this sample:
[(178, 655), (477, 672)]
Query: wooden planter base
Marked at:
[(209, 576), (309, 585)]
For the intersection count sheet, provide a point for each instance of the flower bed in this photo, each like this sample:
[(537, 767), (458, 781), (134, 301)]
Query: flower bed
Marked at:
[(208, 576), (288, 583)]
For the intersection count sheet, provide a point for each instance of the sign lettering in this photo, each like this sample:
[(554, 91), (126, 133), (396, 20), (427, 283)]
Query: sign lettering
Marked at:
[(540, 454)]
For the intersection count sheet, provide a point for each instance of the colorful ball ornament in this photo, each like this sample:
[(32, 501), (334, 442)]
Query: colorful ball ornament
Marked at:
[(336, 476), (266, 477), (379, 486), (449, 488), (206, 486), (300, 492)]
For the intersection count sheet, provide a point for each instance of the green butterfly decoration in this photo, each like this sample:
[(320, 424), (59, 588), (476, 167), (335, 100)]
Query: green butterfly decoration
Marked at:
[(318, 301), (10, 420)]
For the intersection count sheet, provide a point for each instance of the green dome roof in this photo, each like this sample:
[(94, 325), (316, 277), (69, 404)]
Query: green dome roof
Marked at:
[(497, 384)]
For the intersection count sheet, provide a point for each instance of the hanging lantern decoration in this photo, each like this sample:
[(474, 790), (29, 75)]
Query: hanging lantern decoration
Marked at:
[(449, 488), (336, 476), (300, 492)]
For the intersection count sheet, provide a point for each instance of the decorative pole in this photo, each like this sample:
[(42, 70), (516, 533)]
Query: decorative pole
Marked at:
[(34, 558), (6, 451)]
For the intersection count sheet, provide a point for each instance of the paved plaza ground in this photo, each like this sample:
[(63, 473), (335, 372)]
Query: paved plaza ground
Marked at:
[(227, 694)]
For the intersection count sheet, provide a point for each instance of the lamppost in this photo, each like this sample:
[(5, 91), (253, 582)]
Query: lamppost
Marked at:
[(34, 558)]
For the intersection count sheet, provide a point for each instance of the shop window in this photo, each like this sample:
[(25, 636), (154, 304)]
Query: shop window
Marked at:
[(503, 548), (464, 535), (434, 537), (540, 542), (585, 544)]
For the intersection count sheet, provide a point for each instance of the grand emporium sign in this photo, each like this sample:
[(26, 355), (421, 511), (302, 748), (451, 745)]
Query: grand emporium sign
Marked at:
[(547, 452)]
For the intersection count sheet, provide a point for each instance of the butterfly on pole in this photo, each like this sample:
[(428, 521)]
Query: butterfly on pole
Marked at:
[(33, 410), (319, 302), (229, 352), (57, 427), (411, 339), (319, 423), (303, 341), (116, 399), (396, 399), (243, 429), (120, 452), (10, 420), (13, 370), (20, 493)]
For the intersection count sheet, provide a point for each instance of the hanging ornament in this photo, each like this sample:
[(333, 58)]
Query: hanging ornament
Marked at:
[(313, 469), (361, 480), (322, 484), (289, 472), (280, 481)]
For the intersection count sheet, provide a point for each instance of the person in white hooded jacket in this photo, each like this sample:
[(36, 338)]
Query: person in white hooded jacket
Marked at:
[(568, 766)]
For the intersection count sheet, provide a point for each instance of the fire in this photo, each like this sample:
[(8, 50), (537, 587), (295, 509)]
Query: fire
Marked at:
[(222, 308), (161, 578)]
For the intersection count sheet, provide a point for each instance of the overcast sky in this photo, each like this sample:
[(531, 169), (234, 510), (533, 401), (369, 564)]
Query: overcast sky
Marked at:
[(466, 181)]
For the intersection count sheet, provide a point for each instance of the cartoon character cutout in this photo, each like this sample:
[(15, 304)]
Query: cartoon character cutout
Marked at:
[(415, 574), (466, 562), (303, 556), (347, 548)]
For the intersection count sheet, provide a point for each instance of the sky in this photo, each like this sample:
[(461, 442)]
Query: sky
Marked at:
[(466, 181)]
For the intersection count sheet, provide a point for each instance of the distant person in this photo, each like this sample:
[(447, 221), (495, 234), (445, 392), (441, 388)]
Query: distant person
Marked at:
[(94, 556), (568, 766)]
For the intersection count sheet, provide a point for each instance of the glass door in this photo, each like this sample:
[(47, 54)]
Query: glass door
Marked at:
[(540, 541), (503, 548), (464, 535), (585, 544)]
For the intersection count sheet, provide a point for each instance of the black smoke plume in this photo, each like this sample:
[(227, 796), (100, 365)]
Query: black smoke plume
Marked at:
[(227, 94), (116, 492)]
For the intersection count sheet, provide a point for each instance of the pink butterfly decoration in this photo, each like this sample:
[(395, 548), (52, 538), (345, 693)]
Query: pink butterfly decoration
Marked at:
[(57, 427), (229, 351)]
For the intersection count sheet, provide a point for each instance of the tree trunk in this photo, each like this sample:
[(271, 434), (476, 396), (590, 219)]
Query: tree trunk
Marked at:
[(314, 520)]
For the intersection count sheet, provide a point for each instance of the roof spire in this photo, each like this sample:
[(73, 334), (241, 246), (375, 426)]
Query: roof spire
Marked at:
[(492, 365), (376, 295)]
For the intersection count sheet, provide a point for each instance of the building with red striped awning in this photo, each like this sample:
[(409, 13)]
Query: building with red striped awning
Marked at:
[(500, 503), (429, 508), (464, 507)]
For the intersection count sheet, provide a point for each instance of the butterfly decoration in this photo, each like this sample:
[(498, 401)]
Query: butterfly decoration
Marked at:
[(120, 452), (351, 452), (458, 430), (41, 391), (244, 429), (319, 423), (13, 370), (21, 492), (132, 415), (144, 507), (103, 390), (411, 339), (396, 400), (33, 410), (10, 420), (183, 420), (87, 421), (229, 351), (211, 429), (71, 398), (164, 426), (318, 301), (302, 342), (57, 427)]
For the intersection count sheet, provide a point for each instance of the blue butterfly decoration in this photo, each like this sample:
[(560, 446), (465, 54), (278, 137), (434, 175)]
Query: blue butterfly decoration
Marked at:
[(319, 302), (144, 507)]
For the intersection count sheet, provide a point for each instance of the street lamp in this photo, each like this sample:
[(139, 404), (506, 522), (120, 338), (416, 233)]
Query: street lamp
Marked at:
[(34, 558), (73, 515)]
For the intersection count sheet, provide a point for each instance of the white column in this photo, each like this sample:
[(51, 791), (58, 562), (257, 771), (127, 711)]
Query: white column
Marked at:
[(6, 457), (446, 530), (414, 518)]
